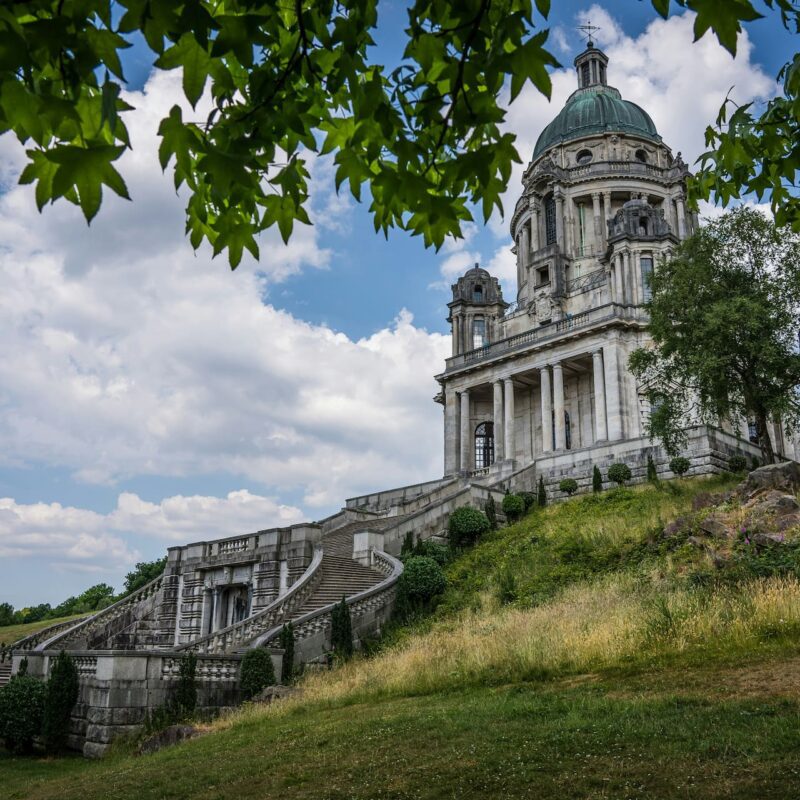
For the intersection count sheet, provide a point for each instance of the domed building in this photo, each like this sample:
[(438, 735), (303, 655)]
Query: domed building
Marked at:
[(541, 386)]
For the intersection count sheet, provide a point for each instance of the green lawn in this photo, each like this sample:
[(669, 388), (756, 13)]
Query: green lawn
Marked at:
[(703, 733), (13, 633)]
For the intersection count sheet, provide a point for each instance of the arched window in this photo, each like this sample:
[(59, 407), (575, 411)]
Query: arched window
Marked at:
[(567, 431), (478, 332), (550, 219), (484, 445), (641, 156)]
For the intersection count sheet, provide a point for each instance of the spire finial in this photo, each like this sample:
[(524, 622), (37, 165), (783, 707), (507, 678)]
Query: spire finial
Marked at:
[(587, 32)]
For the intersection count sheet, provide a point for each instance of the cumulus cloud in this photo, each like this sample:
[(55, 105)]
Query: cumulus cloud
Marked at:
[(123, 353)]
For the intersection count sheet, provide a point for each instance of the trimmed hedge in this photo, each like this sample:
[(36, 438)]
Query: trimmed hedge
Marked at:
[(422, 579), (513, 507), (466, 525), (619, 473), (22, 702), (568, 486), (680, 465)]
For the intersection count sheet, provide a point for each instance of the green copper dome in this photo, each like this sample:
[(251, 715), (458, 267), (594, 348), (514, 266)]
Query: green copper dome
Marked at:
[(598, 109)]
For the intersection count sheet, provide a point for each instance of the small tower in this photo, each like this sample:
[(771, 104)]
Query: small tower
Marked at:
[(591, 67), (476, 306)]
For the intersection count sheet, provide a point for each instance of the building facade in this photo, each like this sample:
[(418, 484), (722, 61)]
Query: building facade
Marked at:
[(544, 381)]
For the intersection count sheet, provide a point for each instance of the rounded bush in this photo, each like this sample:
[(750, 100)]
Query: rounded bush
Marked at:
[(422, 579), (679, 465), (21, 712), (466, 525), (529, 498), (438, 551), (737, 463), (513, 507), (257, 672), (619, 473), (568, 486)]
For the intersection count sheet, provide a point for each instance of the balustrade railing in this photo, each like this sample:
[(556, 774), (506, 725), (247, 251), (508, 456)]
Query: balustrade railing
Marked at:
[(85, 628), (28, 643), (552, 330), (586, 282), (279, 611), (369, 600)]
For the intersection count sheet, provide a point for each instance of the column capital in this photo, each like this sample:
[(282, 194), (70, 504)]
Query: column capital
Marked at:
[(596, 195)]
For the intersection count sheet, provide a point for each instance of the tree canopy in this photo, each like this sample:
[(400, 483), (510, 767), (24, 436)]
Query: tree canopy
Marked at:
[(724, 317), (422, 138)]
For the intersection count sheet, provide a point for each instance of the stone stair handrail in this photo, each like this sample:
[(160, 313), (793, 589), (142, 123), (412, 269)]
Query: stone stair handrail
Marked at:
[(30, 641), (367, 600), (279, 611), (85, 627)]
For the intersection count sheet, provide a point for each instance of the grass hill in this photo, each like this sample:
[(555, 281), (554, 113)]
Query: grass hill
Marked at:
[(642, 643)]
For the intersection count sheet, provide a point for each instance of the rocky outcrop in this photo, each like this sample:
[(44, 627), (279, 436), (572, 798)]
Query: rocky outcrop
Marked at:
[(784, 477), (172, 735)]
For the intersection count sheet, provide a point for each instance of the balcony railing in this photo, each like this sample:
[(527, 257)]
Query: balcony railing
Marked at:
[(586, 282), (544, 333)]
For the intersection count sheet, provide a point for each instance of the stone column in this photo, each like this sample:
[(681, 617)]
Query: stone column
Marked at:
[(508, 420), (534, 206), (466, 426), (606, 215), (558, 406), (547, 411), (681, 216), (559, 197), (451, 432), (499, 449), (613, 395), (455, 335), (598, 231), (526, 245), (630, 279), (622, 285), (600, 427)]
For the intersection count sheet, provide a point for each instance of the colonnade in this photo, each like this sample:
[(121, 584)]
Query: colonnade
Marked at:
[(608, 408)]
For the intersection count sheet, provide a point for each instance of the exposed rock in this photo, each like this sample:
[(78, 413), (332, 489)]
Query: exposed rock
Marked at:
[(702, 500), (168, 737), (675, 528), (271, 693), (715, 527), (779, 503), (784, 476), (787, 521), (767, 539), (695, 541), (720, 560)]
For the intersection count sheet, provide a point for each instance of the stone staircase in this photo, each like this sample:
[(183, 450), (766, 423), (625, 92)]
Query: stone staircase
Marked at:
[(5, 672)]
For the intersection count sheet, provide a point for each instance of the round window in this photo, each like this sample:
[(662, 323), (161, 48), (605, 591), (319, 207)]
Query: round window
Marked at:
[(583, 157), (641, 156)]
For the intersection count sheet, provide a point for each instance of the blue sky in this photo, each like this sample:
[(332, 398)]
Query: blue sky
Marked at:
[(150, 397)]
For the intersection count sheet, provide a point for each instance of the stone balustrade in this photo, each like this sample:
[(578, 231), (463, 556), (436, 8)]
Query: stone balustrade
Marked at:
[(278, 612), (31, 641)]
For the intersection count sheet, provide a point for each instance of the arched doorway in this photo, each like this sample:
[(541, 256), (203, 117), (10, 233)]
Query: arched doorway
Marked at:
[(484, 445)]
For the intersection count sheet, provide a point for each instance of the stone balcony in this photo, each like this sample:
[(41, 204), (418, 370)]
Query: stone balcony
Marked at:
[(585, 322)]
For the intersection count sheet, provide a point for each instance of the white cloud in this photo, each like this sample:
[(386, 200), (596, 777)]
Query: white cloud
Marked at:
[(123, 353), (81, 540)]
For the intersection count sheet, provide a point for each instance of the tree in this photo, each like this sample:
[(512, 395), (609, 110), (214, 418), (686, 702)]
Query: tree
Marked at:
[(652, 471), (286, 641), (679, 465), (422, 580), (466, 525), (724, 317), (597, 480), (490, 509), (6, 614), (541, 498), (185, 698), (22, 702), (619, 473), (513, 507), (342, 629), (62, 694), (423, 136), (569, 486), (256, 672), (143, 573)]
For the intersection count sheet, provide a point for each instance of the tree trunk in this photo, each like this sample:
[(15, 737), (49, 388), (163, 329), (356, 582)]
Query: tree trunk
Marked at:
[(764, 441)]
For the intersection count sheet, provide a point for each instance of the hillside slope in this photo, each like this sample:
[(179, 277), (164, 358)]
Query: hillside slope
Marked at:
[(596, 649)]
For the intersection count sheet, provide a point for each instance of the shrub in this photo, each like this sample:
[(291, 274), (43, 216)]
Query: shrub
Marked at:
[(62, 694), (652, 472), (466, 525), (513, 507), (755, 463), (529, 498), (597, 480), (541, 498), (22, 669), (568, 486), (21, 712), (438, 551), (185, 699), (679, 465), (287, 643), (619, 473), (737, 463), (490, 509), (422, 580), (342, 628), (408, 544), (256, 672)]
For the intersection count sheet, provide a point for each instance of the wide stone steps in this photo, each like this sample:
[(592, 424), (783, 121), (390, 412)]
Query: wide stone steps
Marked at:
[(5, 672)]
